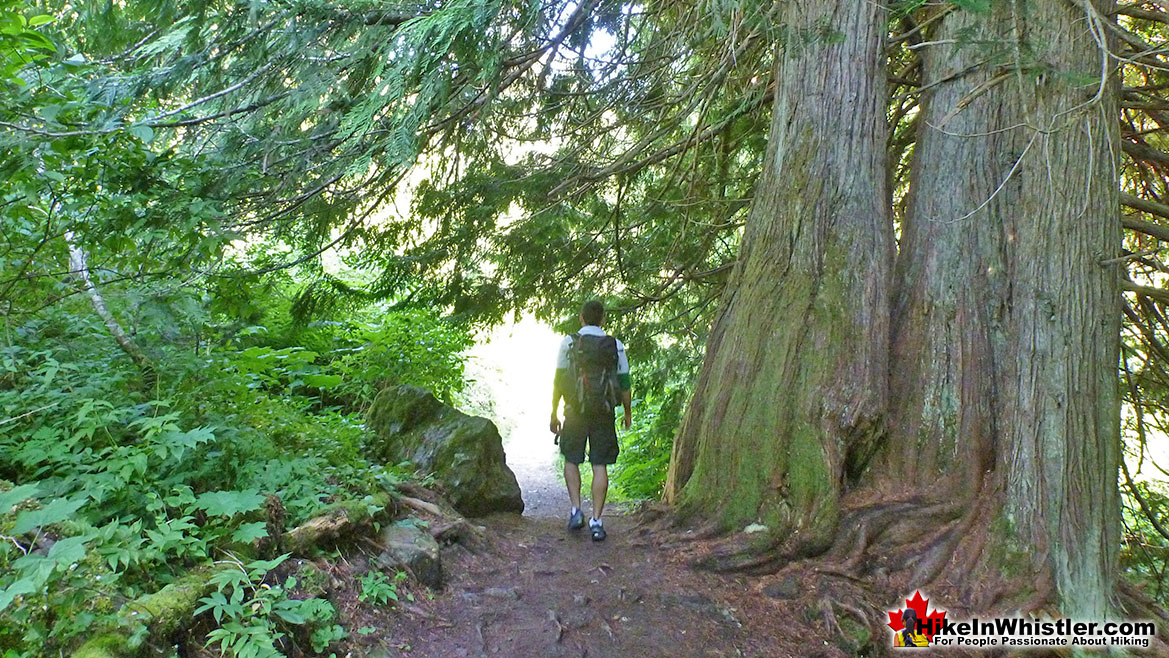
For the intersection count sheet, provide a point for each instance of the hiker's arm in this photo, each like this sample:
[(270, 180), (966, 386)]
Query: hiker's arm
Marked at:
[(626, 398), (625, 383), (557, 394), (558, 385), (627, 402)]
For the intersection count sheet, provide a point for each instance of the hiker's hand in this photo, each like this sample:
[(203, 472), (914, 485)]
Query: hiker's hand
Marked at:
[(628, 422), (554, 425)]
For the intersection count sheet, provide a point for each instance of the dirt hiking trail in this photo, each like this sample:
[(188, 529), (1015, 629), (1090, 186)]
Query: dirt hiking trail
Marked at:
[(545, 592), (540, 590), (535, 589)]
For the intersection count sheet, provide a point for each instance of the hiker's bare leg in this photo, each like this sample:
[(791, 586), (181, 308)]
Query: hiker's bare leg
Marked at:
[(600, 488), (572, 479)]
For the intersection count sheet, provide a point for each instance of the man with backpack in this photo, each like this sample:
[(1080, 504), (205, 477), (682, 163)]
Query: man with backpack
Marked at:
[(592, 375)]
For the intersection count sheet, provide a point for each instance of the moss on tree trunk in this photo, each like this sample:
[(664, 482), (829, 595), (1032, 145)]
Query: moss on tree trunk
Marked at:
[(1060, 436), (794, 375), (995, 401)]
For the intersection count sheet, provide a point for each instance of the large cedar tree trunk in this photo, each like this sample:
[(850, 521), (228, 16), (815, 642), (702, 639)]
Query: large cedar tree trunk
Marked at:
[(795, 371), (1003, 388), (950, 301), (1060, 429), (988, 369)]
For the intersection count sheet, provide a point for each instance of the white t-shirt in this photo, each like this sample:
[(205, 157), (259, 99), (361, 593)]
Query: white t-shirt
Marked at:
[(591, 330)]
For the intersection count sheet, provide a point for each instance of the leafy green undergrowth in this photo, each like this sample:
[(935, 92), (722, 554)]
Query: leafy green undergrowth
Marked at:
[(640, 473), (109, 492), (253, 616), (1144, 556), (344, 362), (377, 589)]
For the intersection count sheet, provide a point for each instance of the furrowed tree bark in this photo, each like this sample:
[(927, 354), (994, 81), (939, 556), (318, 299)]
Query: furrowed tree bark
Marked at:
[(1061, 416), (951, 276), (794, 379), (1006, 332), (992, 394)]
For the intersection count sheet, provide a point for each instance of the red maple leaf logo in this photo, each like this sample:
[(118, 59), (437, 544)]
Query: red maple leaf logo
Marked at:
[(930, 623)]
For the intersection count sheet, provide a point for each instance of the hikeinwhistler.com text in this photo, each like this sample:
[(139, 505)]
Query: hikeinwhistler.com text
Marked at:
[(1024, 632)]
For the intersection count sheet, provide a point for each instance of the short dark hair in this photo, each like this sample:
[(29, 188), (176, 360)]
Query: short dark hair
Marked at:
[(593, 312)]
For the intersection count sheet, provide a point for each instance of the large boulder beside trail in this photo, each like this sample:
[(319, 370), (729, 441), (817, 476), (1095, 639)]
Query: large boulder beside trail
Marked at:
[(465, 453)]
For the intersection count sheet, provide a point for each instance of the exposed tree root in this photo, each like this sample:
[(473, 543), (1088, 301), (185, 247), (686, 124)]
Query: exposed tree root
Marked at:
[(447, 526), (878, 538), (884, 551), (421, 505)]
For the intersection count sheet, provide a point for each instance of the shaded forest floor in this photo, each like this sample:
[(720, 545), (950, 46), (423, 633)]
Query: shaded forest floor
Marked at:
[(534, 589), (540, 590)]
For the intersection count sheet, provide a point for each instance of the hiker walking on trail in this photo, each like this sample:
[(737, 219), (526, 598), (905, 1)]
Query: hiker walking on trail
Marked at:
[(592, 375)]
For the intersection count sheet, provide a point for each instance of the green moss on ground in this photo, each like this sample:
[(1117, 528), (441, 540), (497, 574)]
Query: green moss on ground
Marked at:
[(109, 645)]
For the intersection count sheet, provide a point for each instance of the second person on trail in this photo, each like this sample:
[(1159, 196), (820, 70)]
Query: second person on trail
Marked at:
[(592, 375)]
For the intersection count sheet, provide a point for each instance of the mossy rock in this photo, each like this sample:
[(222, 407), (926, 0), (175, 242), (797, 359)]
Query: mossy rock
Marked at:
[(465, 453), (403, 408), (409, 546)]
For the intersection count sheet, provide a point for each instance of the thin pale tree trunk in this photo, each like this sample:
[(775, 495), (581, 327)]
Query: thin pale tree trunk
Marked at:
[(79, 266)]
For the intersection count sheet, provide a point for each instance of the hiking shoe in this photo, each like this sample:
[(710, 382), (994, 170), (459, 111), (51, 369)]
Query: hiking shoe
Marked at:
[(576, 520), (598, 531)]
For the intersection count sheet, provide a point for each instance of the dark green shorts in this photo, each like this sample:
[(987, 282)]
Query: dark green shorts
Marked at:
[(600, 432)]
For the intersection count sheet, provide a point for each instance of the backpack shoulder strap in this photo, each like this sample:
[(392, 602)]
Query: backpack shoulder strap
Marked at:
[(611, 344), (573, 346)]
